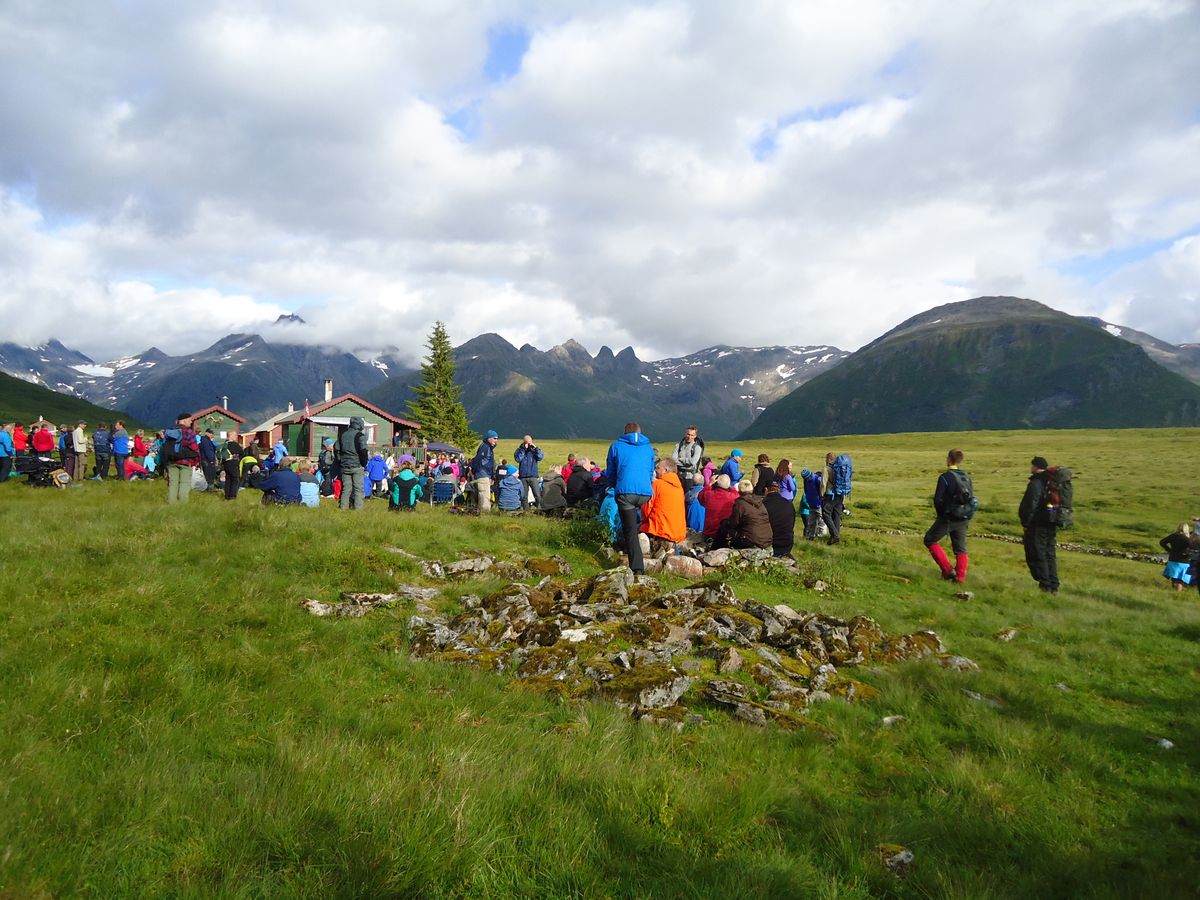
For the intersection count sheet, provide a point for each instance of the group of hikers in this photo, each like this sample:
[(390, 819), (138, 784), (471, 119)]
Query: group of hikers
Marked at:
[(644, 500)]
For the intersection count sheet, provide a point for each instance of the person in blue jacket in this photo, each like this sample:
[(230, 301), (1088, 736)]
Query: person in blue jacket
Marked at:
[(510, 490), (630, 472), (279, 451), (7, 452), (608, 515), (695, 511), (810, 505), (528, 456), (483, 468), (377, 475), (281, 486), (732, 466), (120, 448)]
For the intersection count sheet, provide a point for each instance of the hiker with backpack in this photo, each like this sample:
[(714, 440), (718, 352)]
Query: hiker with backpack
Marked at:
[(954, 501), (811, 490), (837, 477), (688, 455), (352, 459), (178, 458), (230, 457), (1044, 509)]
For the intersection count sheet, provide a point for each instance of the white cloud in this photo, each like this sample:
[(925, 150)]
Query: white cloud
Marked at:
[(665, 174)]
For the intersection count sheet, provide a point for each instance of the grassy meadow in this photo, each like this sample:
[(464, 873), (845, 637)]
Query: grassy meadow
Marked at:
[(176, 725)]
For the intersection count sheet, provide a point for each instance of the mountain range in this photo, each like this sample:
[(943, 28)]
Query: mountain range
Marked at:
[(991, 362), (988, 363)]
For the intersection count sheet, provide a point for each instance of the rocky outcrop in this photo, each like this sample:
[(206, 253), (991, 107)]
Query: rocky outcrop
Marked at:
[(623, 638)]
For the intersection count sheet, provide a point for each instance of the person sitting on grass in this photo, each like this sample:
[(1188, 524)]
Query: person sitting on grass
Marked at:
[(376, 479), (282, 486), (717, 499), (748, 525), (579, 484), (406, 488), (135, 471), (310, 486), (508, 490), (554, 493), (691, 500), (782, 515), (664, 518)]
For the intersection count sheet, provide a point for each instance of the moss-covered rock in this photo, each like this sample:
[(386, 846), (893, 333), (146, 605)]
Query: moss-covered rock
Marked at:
[(648, 687)]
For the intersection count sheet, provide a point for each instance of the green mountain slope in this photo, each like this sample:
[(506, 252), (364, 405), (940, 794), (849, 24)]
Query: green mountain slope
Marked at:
[(988, 363), (21, 401)]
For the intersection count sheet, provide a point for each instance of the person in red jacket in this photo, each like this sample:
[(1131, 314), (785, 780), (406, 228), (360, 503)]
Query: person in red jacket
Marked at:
[(43, 441), (20, 440), (140, 448), (717, 499)]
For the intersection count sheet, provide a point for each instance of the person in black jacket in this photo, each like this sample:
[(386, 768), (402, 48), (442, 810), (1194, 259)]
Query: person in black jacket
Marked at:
[(952, 519), (1040, 532), (1178, 545), (352, 460), (782, 514), (579, 484)]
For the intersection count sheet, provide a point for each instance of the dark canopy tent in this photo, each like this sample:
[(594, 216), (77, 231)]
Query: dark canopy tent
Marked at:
[(439, 447)]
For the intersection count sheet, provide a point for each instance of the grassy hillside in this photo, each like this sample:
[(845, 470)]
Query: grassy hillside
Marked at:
[(1042, 371), (175, 724), (21, 401)]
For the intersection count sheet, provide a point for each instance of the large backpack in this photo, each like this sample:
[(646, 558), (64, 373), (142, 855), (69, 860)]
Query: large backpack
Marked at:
[(1060, 496), (171, 446), (842, 473), (962, 504)]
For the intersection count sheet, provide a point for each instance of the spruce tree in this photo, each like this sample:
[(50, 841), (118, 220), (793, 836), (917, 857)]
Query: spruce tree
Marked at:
[(437, 406)]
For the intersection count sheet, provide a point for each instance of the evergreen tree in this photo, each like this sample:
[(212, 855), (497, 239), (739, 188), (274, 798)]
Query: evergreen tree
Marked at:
[(437, 405)]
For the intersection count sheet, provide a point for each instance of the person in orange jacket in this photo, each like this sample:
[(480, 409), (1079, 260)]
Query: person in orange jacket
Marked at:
[(664, 517)]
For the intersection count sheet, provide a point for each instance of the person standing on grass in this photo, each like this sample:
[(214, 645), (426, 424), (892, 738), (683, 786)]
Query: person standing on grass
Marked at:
[(230, 457), (1040, 532), (208, 459), (834, 502), (20, 440), (7, 451), (79, 447), (42, 440), (952, 501), (352, 460), (528, 456), (483, 470), (688, 454), (140, 448), (630, 472), (785, 480), (179, 456), (120, 448), (1179, 554), (65, 453), (102, 444)]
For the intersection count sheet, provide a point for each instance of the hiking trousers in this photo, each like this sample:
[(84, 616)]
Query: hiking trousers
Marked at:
[(6, 465), (628, 510), (103, 463), (942, 527), (352, 490), (232, 479), (528, 486), (483, 493), (80, 471), (179, 483), (831, 513), (1040, 555)]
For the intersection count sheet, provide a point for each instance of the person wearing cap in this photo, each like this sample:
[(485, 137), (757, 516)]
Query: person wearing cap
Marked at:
[(630, 472), (483, 469), (1040, 532), (509, 490), (732, 466)]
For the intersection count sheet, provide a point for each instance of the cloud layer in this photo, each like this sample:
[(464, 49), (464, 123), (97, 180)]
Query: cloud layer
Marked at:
[(667, 175)]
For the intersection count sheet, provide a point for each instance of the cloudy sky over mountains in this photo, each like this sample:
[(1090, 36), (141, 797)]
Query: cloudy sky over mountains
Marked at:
[(663, 174)]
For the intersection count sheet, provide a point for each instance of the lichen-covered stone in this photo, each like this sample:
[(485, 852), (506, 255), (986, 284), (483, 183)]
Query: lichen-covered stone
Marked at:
[(551, 565), (543, 632), (648, 687)]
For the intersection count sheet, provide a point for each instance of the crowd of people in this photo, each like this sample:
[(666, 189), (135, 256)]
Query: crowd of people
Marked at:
[(644, 499)]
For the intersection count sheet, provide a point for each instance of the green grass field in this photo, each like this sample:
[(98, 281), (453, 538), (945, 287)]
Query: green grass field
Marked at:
[(176, 725)]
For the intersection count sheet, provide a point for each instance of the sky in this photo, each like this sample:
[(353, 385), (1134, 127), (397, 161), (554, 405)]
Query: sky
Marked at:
[(666, 175)]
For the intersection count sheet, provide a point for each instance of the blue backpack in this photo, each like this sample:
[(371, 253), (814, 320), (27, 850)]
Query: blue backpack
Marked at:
[(842, 472)]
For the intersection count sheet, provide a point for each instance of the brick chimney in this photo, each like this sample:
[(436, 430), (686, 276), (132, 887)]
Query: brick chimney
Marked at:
[(328, 389)]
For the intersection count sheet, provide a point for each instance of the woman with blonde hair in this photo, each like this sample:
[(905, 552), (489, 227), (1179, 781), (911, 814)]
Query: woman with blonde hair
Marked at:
[(1178, 546)]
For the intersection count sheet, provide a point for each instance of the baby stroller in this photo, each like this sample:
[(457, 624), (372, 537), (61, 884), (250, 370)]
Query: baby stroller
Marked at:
[(38, 468)]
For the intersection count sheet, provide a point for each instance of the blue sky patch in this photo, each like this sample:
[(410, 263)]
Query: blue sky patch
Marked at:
[(1095, 268), (765, 145), (507, 45)]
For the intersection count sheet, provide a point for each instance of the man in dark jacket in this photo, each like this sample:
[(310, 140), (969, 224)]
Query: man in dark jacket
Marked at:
[(953, 517), (630, 471), (282, 486), (782, 515), (352, 460), (687, 455), (528, 456), (1040, 532), (579, 484), (208, 458), (102, 444), (483, 469), (748, 525)]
